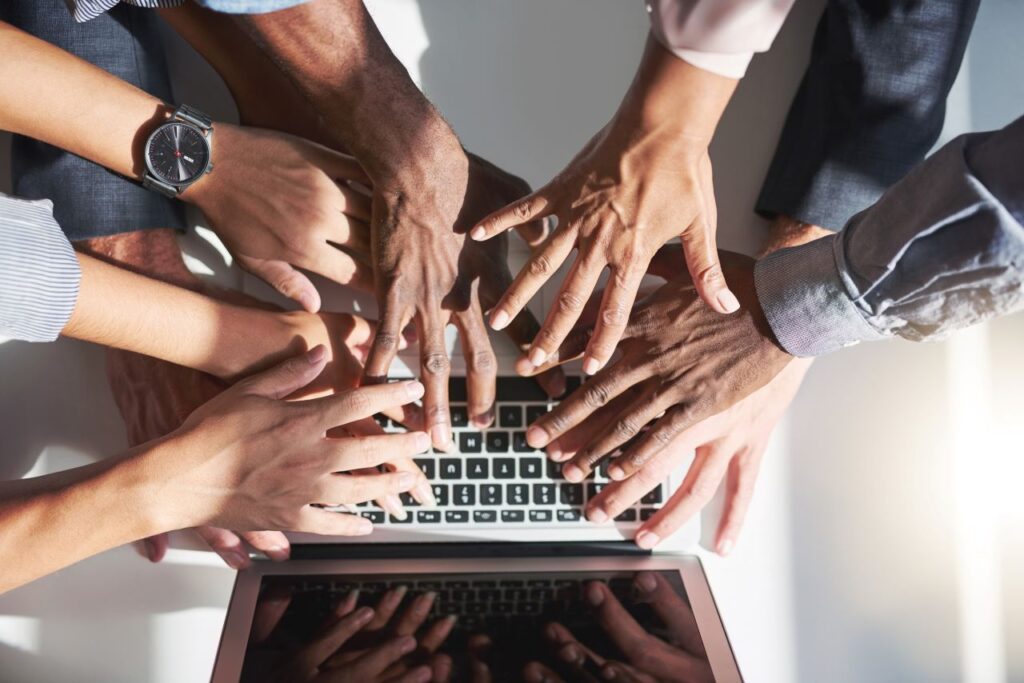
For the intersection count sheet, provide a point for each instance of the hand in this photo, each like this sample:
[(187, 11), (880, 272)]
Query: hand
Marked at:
[(250, 460), (280, 203), (728, 445), (427, 273), (629, 191), (678, 358)]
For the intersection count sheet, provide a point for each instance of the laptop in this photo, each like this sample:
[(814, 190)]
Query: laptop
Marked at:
[(506, 552)]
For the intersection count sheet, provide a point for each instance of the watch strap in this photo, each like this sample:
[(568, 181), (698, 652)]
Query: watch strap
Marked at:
[(194, 116), (150, 182)]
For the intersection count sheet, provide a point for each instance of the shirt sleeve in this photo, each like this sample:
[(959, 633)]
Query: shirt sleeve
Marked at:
[(941, 250), (720, 36), (39, 273)]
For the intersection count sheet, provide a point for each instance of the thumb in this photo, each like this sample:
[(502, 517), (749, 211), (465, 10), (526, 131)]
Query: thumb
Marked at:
[(285, 279), (289, 376)]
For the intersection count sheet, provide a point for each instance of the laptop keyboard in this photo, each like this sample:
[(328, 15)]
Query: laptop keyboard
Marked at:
[(494, 478)]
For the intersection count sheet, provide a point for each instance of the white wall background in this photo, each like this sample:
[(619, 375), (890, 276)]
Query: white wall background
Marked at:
[(886, 541)]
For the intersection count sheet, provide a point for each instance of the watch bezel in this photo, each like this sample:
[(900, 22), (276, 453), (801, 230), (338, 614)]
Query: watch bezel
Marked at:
[(177, 183)]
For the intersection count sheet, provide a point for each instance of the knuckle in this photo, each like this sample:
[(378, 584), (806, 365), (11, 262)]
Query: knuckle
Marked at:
[(540, 265), (482, 362), (710, 275), (436, 363), (596, 396), (386, 341), (569, 302), (626, 427), (523, 209), (355, 402), (614, 316)]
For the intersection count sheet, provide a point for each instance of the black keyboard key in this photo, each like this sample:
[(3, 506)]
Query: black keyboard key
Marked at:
[(471, 442), (375, 516), (497, 442), (568, 515), (441, 494), (512, 516), (517, 594), (533, 413), (531, 468), (456, 516), (555, 470), (428, 517), (510, 416), (504, 468), (543, 494), (465, 494), (408, 500), (652, 498), (570, 494), (460, 416), (382, 420), (489, 595), (396, 520), (485, 516), (540, 515), (451, 468), (627, 516), (519, 444), (518, 494), (647, 513), (490, 494), (477, 468), (428, 465)]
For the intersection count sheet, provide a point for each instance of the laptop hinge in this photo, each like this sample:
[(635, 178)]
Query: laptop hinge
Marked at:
[(412, 551)]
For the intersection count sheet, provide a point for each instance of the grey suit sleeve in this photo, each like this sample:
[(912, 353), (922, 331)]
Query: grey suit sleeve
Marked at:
[(39, 273), (941, 250)]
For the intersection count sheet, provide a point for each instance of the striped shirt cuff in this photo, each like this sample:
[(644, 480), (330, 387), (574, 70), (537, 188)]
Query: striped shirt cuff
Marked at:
[(39, 272), (806, 304)]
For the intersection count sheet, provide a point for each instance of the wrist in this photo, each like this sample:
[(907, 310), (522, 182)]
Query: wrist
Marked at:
[(784, 232), (261, 339)]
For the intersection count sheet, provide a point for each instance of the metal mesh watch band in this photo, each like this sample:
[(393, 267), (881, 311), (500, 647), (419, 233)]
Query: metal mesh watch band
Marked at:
[(193, 116)]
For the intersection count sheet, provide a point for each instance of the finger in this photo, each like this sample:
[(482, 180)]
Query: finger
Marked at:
[(358, 452), (342, 167), (576, 289), (269, 609), (569, 443), (350, 489), (375, 661), (435, 368), (661, 434), (422, 491), (385, 342), (481, 365), (618, 496), (623, 673), (534, 232), (357, 404), (421, 674), (697, 489), (582, 403), (287, 377), (227, 544), (273, 544), (529, 208), (413, 616), (670, 607), (360, 207), (701, 252), (619, 430), (307, 661), (619, 295), (479, 645), (342, 267), (541, 266), (438, 632), (521, 331), (743, 470), (329, 523), (155, 547), (387, 606), (441, 666), (572, 348), (618, 623), (284, 278), (535, 672)]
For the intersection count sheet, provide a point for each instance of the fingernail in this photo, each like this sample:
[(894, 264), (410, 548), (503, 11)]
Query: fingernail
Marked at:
[(364, 527), (597, 516), (308, 302), (595, 596), (617, 473), (554, 452), (278, 553), (393, 506), (422, 442), (440, 435), (424, 493), (647, 539), (728, 301), (484, 421), (536, 437), (533, 676), (524, 367), (478, 233), (572, 473), (363, 614), (422, 674), (591, 366), (608, 673), (406, 480), (151, 552), (538, 356), (414, 390), (407, 644), (500, 320), (725, 547), (316, 354), (646, 582)]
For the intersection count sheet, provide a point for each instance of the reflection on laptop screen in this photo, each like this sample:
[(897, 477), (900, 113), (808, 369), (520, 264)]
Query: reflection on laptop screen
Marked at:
[(550, 626)]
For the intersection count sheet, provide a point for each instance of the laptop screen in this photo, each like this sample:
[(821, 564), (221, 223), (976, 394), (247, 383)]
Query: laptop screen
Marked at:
[(550, 626)]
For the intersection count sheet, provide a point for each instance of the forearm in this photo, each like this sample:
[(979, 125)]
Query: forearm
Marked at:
[(333, 52), (50, 522), (50, 95)]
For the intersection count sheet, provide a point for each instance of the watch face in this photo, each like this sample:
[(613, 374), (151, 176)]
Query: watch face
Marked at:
[(177, 153)]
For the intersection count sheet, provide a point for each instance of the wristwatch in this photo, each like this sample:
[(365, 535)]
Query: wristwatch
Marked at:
[(178, 152)]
